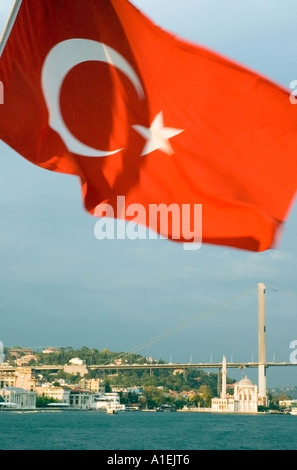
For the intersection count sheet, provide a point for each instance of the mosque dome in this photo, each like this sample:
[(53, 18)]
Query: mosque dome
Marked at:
[(246, 381)]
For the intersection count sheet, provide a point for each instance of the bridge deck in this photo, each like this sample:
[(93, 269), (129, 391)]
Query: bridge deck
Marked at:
[(200, 365)]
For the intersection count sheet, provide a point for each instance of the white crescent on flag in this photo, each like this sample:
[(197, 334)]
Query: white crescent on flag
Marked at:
[(58, 63)]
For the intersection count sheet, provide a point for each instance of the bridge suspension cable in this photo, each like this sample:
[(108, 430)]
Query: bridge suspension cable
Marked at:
[(294, 294), (186, 323)]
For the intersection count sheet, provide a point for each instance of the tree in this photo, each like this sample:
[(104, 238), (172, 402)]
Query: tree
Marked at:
[(132, 397), (42, 401), (283, 396), (180, 403), (196, 399), (107, 387), (206, 395)]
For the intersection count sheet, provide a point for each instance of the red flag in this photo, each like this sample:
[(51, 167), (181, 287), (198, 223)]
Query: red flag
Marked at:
[(95, 89)]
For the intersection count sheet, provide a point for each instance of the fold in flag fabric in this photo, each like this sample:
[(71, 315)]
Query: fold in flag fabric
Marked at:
[(95, 89)]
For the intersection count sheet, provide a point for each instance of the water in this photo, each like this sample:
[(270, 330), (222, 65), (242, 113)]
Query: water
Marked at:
[(85, 430)]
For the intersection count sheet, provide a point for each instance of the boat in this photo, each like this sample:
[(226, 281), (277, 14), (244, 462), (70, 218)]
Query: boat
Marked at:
[(131, 408), (293, 411), (166, 407), (112, 409), (58, 406), (5, 405)]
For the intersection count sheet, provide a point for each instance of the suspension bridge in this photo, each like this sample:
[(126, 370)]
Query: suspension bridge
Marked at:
[(262, 364)]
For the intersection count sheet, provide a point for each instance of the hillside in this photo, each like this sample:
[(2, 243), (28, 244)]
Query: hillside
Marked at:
[(175, 381)]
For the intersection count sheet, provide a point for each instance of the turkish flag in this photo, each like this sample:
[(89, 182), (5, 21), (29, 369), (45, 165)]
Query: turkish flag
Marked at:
[(93, 88)]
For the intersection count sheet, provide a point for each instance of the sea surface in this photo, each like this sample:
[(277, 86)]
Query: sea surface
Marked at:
[(91, 430)]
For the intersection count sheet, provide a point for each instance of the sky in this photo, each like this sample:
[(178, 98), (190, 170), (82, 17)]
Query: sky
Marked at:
[(60, 286)]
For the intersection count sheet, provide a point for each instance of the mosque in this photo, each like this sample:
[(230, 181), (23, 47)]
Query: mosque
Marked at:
[(247, 396), (244, 400)]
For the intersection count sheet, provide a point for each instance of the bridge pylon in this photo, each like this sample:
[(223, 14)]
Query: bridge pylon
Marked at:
[(261, 342)]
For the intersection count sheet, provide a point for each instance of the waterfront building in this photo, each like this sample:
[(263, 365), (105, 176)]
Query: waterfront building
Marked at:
[(73, 396), (22, 399), (7, 379), (25, 378), (95, 385), (246, 396), (80, 399), (60, 394), (223, 404), (244, 400), (288, 403), (22, 377)]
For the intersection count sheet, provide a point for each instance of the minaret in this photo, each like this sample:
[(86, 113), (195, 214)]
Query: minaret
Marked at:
[(224, 378), (261, 341)]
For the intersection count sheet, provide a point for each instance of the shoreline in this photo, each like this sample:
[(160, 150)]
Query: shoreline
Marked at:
[(193, 410)]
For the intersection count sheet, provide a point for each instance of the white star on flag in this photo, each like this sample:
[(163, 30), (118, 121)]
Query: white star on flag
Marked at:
[(157, 136)]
